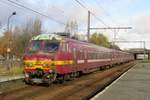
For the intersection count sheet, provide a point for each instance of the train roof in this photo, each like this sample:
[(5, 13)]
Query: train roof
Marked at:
[(59, 38), (47, 37)]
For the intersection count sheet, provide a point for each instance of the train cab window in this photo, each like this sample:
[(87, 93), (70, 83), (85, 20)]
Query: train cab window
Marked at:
[(35, 45), (44, 45), (51, 46)]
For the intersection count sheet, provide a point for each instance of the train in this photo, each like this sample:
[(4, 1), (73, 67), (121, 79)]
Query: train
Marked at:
[(50, 57)]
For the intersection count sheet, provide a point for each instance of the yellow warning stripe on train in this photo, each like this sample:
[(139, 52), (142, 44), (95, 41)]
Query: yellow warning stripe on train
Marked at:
[(58, 62)]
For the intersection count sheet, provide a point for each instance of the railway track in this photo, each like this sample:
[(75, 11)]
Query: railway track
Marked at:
[(81, 88)]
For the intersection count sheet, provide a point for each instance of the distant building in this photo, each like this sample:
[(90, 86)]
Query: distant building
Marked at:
[(140, 53), (81, 36)]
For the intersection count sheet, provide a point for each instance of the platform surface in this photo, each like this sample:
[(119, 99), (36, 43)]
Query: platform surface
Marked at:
[(132, 85), (10, 78)]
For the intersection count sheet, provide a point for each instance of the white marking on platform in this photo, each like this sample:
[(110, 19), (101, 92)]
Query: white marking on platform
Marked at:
[(96, 96)]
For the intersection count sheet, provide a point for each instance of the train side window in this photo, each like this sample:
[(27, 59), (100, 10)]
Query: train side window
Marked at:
[(96, 55), (93, 55), (104, 56), (74, 53), (89, 55), (63, 47), (81, 54), (67, 47), (99, 55), (85, 54)]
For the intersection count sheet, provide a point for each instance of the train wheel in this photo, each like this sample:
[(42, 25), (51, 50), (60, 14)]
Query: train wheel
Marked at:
[(49, 78), (26, 80), (107, 67), (74, 75), (60, 79), (78, 74), (67, 77), (102, 68)]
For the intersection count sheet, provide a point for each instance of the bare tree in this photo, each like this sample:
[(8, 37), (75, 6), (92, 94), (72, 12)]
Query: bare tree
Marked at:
[(37, 26), (23, 34), (72, 28), (20, 36)]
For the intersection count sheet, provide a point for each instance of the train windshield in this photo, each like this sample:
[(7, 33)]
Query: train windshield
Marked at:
[(50, 46)]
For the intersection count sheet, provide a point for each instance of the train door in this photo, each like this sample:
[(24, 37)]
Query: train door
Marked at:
[(75, 67), (85, 56), (74, 54)]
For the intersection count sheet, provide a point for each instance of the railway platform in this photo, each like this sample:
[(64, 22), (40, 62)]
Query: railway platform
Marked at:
[(10, 78), (132, 85)]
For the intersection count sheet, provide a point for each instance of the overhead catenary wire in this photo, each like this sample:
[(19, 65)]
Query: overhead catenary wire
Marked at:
[(99, 6), (99, 19), (60, 10), (37, 12), (81, 4), (105, 11)]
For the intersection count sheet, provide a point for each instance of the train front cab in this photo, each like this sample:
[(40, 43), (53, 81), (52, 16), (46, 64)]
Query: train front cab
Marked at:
[(40, 61)]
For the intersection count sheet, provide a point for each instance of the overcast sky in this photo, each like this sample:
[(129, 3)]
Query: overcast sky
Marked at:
[(115, 13)]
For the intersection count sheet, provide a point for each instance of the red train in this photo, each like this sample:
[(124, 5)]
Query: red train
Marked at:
[(50, 57)]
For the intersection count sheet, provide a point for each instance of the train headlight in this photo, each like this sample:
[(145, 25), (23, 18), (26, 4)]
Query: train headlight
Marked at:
[(28, 64), (45, 65), (26, 75), (50, 71)]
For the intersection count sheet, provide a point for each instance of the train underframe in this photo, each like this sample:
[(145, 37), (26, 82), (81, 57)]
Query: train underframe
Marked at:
[(39, 76)]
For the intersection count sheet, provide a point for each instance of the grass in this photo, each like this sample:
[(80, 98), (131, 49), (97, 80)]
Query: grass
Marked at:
[(14, 70)]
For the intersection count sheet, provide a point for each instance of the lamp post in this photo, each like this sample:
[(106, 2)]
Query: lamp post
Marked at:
[(9, 37), (14, 13)]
